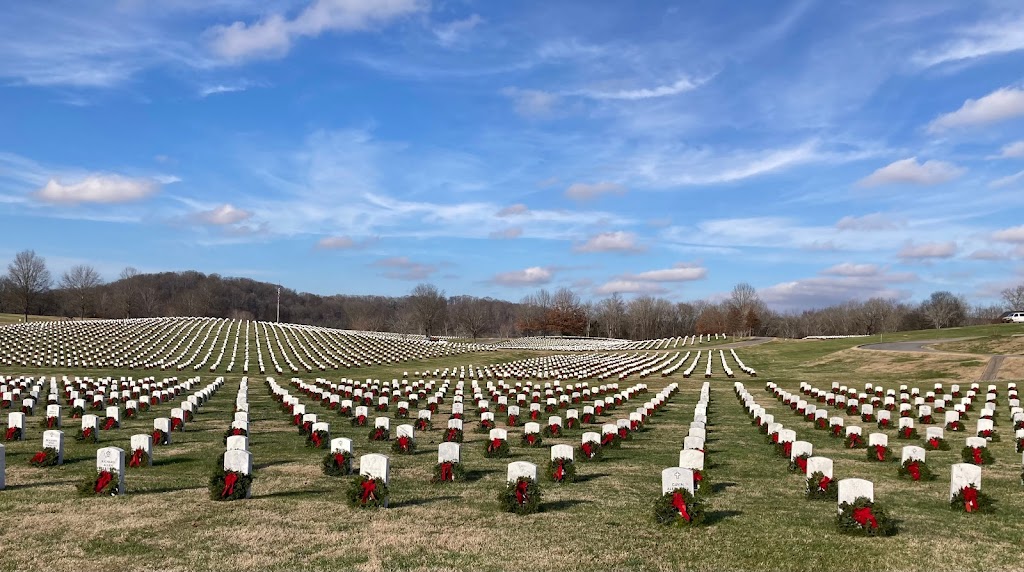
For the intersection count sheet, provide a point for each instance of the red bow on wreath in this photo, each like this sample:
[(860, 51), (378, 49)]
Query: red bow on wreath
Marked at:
[(680, 505), (934, 442), (403, 443), (446, 472), (175, 423), (801, 464), (521, 487), (10, 433), (864, 517), (970, 499), (109, 423), (512, 419), (51, 421), (87, 433), (230, 479), (369, 490), (102, 481), (158, 436), (823, 483), (554, 429), (976, 454), (608, 439), (39, 457), (339, 459), (880, 452), (494, 446), (136, 460), (315, 439), (531, 438), (587, 450), (915, 470), (787, 448), (378, 434), (559, 472)]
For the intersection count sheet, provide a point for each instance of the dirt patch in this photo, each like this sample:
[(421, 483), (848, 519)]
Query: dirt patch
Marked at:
[(918, 366), (990, 345)]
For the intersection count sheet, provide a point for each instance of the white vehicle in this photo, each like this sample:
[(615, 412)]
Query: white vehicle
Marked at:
[(1015, 317)]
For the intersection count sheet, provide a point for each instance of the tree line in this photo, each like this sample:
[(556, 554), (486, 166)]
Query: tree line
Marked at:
[(29, 288)]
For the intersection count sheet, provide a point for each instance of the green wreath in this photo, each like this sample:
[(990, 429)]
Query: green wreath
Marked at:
[(983, 456), (452, 435), (404, 446), (379, 434), (364, 492), (936, 444), (337, 464), (993, 436), (907, 433), (547, 431), (879, 453), (45, 458), (521, 496), (493, 451), (820, 489), (679, 508), (536, 440), (229, 485), (595, 453), (92, 437), (980, 503), (568, 470), (798, 464), (910, 466), (454, 472), (94, 485), (231, 432), (864, 518)]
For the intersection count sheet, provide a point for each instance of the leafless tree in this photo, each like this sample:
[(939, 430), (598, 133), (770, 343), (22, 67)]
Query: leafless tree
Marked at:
[(127, 289), (943, 309), (79, 283), (428, 306), (472, 315), (612, 312), (28, 277), (1014, 297)]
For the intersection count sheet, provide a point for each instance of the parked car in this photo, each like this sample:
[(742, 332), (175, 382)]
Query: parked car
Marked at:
[(1014, 317)]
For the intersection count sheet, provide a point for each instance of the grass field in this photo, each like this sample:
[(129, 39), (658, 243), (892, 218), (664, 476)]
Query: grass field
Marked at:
[(298, 519)]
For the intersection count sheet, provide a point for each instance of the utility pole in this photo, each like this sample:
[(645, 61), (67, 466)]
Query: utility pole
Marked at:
[(279, 304)]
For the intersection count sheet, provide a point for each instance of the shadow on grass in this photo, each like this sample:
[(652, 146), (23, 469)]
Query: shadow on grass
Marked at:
[(160, 490), (424, 501), (41, 484), (564, 504), (591, 477), (716, 516), (476, 475), (719, 487), (271, 464), (170, 461), (287, 494)]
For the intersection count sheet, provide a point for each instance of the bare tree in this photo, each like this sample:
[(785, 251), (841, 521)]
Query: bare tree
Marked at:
[(28, 277), (1014, 297), (612, 312), (943, 309), (473, 315), (80, 283), (128, 289), (428, 306)]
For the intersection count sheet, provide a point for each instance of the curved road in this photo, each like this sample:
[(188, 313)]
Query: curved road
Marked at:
[(923, 346)]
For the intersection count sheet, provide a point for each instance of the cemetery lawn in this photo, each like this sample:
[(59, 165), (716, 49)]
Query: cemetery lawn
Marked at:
[(757, 516)]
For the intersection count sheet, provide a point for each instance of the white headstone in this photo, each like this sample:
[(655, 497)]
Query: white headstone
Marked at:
[(878, 439), (375, 466), (449, 453), (54, 439), (851, 489), (691, 459), (912, 452), (112, 459), (821, 465), (521, 469), (54, 411), (674, 478), (238, 443), (801, 448), (962, 475), (562, 452), (341, 444)]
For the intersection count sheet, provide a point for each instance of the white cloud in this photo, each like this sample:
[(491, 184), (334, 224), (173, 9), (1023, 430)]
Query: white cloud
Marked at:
[(273, 36), (910, 172), (339, 243), (587, 191), (991, 38), (1008, 180), (1013, 234), (223, 215), (450, 33), (681, 85), (850, 269), (508, 233), (617, 241), (873, 221), (401, 268), (1013, 150), (532, 276), (629, 287), (819, 292), (531, 103), (517, 209), (678, 273), (1000, 105), (220, 88), (98, 188), (927, 250), (987, 254)]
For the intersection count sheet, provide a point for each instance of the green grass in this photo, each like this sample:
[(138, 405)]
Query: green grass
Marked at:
[(297, 518)]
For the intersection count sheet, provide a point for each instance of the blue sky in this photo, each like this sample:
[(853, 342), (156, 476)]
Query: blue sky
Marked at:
[(821, 151)]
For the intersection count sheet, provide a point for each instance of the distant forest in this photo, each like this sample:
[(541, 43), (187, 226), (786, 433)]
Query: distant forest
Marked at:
[(28, 288)]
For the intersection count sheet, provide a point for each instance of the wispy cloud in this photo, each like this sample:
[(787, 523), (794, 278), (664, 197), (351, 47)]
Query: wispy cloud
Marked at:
[(868, 222), (98, 188), (223, 215), (928, 250), (588, 191), (450, 33), (1013, 234), (1008, 181), (532, 103), (401, 268), (681, 85), (1000, 105), (975, 42), (1013, 150), (617, 241), (533, 276), (507, 233), (912, 172)]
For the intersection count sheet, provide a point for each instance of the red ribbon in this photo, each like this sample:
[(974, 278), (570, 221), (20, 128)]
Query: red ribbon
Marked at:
[(512, 420), (880, 452), (87, 433), (136, 460), (102, 481), (158, 436), (361, 420), (494, 446), (823, 483), (446, 472), (970, 499), (559, 472), (450, 435), (307, 426), (315, 439), (109, 423), (378, 434), (39, 457), (230, 478), (698, 476), (608, 439), (864, 517), (175, 423), (531, 438), (521, 487), (403, 443), (623, 432), (801, 464), (976, 453), (588, 451), (680, 505), (934, 442), (339, 459), (238, 431), (369, 490), (10, 433), (554, 429), (534, 414), (51, 422), (915, 470), (787, 448), (633, 425)]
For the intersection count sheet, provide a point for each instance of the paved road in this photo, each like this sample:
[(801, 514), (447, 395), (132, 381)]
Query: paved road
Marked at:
[(991, 370)]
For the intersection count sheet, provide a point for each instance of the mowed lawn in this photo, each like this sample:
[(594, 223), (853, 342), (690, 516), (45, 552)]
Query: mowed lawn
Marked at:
[(758, 518)]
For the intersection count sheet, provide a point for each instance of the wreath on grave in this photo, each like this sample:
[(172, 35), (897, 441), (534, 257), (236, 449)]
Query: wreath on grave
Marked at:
[(854, 441), (404, 445), (572, 423), (531, 440), (229, 485), (188, 416), (129, 413), (231, 432), (936, 444), (13, 434), (821, 423), (915, 470), (989, 434), (784, 449), (495, 448), (879, 453), (624, 434), (1020, 445), (679, 508), (588, 418), (96, 405), (359, 421), (402, 413), (177, 424), (867, 417), (48, 422), (110, 423), (907, 433), (762, 428), (318, 439), (89, 435), (863, 517), (513, 421), (550, 408), (452, 435), (836, 431), (138, 459), (591, 451), (852, 410), (448, 472), (45, 458), (367, 492), (552, 430), (977, 455), (485, 426), (423, 424), (955, 426), (144, 407), (799, 464), (337, 464), (103, 483), (521, 496), (379, 434), (534, 414), (305, 428), (382, 407), (820, 487), (610, 440), (884, 423), (344, 410), (970, 499), (162, 438), (562, 470)]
